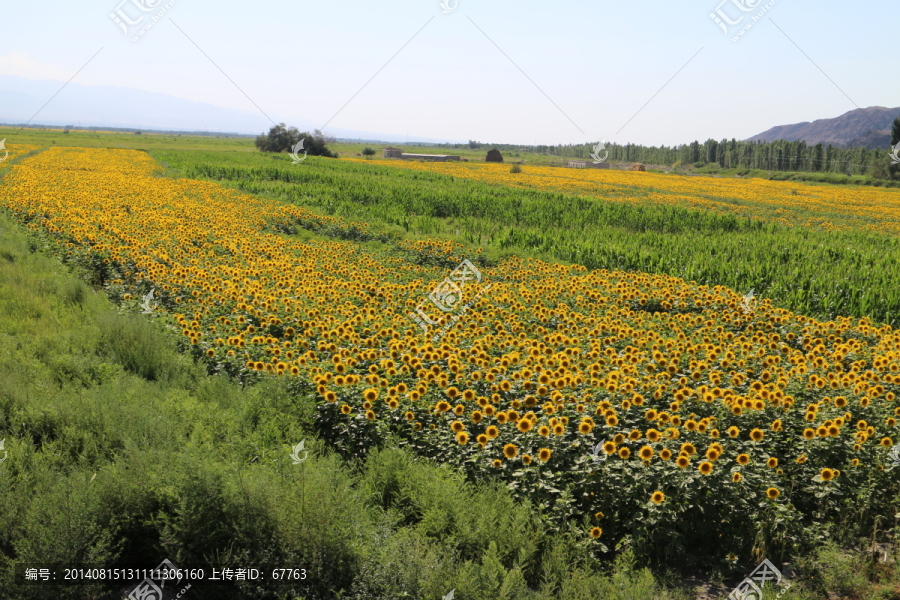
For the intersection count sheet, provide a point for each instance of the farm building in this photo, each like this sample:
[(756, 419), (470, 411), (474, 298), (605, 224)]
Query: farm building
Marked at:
[(392, 153), (431, 157), (587, 164)]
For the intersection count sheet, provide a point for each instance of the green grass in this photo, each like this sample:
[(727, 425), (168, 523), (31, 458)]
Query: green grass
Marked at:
[(812, 271), (107, 139)]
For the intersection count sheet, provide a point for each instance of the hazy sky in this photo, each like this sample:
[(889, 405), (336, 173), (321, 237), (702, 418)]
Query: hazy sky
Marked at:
[(517, 71)]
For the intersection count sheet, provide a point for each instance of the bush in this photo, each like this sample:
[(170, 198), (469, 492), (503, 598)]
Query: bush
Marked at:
[(133, 342), (515, 169)]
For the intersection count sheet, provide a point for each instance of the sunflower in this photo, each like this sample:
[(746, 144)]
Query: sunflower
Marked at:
[(801, 459), (733, 431), (886, 442), (370, 415), (772, 493), (409, 416), (345, 409), (442, 406), (543, 430), (596, 532), (492, 431), (743, 459), (772, 462), (457, 426), (609, 447), (624, 452), (756, 435), (682, 461), (497, 462), (524, 425), (510, 451), (809, 433), (688, 448), (736, 477), (645, 453), (657, 497), (462, 438), (705, 467), (544, 454), (713, 454), (827, 474), (526, 459), (665, 454)]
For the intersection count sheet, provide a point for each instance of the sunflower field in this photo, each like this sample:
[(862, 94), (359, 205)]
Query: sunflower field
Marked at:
[(823, 251), (648, 411)]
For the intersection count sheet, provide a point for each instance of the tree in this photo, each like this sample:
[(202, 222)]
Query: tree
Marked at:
[(282, 138), (367, 152)]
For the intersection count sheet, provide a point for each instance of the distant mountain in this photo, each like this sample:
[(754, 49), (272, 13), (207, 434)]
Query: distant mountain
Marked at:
[(869, 127), (112, 106)]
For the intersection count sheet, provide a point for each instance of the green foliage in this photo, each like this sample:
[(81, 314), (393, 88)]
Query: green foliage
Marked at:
[(515, 169), (283, 139)]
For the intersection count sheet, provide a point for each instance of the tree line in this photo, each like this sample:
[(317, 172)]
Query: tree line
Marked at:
[(779, 155)]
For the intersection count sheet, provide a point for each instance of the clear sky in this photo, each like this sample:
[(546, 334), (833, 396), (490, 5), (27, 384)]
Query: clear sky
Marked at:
[(517, 71)]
